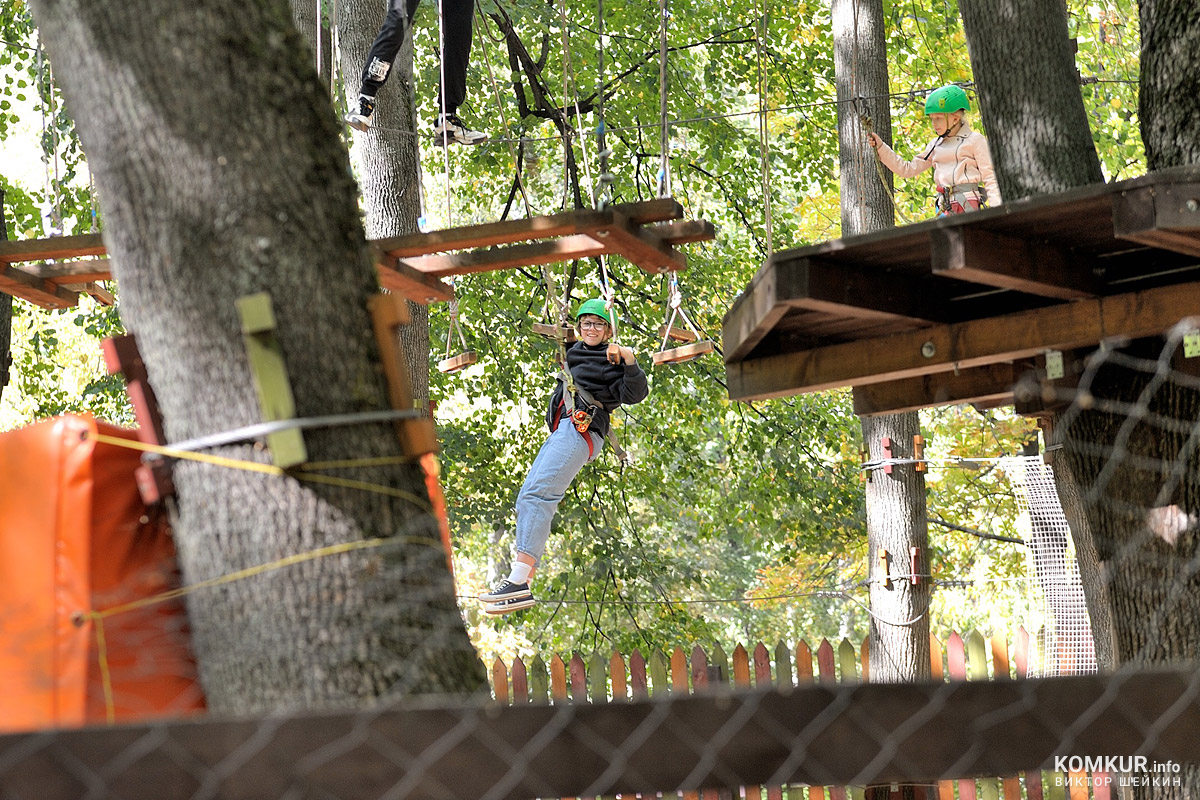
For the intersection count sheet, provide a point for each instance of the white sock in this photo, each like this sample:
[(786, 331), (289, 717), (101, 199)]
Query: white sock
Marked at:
[(520, 572)]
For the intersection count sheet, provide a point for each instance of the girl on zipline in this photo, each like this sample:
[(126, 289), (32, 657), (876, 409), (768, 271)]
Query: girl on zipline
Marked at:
[(599, 377), (457, 17), (961, 161)]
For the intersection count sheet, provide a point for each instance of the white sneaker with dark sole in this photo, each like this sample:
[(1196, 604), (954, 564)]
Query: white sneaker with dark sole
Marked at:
[(510, 605), (358, 122), (506, 590), (451, 130)]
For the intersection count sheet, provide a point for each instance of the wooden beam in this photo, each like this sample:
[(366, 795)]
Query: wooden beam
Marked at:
[(19, 283), (522, 230), (686, 232), (963, 345), (397, 276), (490, 259), (53, 247), (1007, 262), (908, 732), (787, 283), (93, 269), (989, 385), (1166, 216), (640, 247)]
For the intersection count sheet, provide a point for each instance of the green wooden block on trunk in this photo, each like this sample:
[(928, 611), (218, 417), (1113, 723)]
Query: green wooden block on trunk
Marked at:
[(271, 381)]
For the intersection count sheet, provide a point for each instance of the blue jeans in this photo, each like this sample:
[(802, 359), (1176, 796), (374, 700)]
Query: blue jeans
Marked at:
[(557, 463)]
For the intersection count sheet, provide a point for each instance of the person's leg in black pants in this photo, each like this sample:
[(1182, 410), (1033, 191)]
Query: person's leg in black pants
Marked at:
[(457, 19)]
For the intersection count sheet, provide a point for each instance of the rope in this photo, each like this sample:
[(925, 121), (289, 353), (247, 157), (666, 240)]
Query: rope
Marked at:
[(487, 60), (268, 469), (442, 103), (764, 146), (98, 617), (868, 128), (664, 174)]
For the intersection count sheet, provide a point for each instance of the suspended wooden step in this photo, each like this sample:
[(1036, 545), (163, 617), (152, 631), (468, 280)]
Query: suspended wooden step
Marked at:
[(679, 355), (455, 363), (677, 334), (943, 310), (552, 331), (645, 233)]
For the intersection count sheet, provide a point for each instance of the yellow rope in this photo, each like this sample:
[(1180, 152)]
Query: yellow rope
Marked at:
[(271, 469), (110, 710), (98, 617)]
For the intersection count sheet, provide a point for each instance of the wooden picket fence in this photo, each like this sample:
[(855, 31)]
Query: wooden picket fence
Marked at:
[(615, 678)]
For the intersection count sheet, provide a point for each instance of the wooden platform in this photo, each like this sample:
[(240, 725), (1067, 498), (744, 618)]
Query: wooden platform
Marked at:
[(956, 309), (645, 233)]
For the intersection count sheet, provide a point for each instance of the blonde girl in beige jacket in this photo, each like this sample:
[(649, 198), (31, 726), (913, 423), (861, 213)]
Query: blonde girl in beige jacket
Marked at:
[(962, 164)]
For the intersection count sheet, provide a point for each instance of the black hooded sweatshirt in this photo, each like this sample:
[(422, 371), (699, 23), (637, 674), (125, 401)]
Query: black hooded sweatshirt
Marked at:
[(611, 385)]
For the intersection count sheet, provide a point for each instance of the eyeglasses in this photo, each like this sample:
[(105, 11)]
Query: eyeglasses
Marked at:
[(592, 326)]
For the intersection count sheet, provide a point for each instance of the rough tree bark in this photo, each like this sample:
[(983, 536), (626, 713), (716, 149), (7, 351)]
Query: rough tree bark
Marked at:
[(896, 514), (1169, 91), (387, 156), (1024, 69), (1134, 447), (1040, 143), (220, 174), (1129, 438)]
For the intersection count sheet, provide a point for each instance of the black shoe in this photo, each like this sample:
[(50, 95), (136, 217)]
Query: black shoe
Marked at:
[(362, 120), (507, 590)]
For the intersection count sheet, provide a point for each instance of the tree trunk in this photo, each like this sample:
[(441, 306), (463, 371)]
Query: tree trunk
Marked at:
[(1024, 68), (896, 517), (387, 157), (216, 158), (1040, 144), (1169, 91)]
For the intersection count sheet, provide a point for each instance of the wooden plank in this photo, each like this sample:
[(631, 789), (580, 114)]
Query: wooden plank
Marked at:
[(500, 681), (469, 262), (966, 344), (616, 671), (520, 681), (577, 673), (52, 247), (397, 276), (19, 283), (641, 247), (637, 676), (1014, 725), (539, 681), (1166, 216), (87, 271), (1009, 262), (388, 311), (784, 285), (269, 370), (558, 679), (991, 384), (685, 232), (511, 231)]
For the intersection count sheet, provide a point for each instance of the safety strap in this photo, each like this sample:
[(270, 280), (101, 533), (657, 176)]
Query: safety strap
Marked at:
[(569, 402)]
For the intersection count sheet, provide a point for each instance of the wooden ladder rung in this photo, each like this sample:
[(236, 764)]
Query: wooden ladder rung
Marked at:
[(677, 334), (551, 331), (678, 355), (455, 363)]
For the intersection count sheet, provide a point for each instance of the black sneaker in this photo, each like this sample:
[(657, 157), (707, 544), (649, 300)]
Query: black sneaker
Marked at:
[(451, 129), (362, 120), (506, 590)]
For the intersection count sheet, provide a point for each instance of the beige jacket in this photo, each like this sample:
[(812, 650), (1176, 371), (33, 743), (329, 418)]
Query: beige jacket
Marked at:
[(963, 158)]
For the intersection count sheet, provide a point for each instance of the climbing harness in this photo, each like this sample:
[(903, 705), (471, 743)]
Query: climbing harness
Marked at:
[(959, 198)]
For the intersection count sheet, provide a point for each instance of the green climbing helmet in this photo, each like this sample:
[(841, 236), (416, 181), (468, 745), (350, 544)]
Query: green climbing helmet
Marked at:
[(595, 307), (947, 100)]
